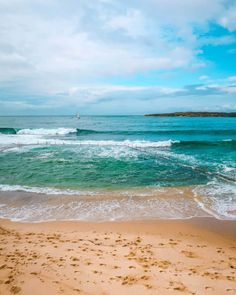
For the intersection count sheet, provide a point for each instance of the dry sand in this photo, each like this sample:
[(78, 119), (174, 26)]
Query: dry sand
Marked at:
[(156, 257)]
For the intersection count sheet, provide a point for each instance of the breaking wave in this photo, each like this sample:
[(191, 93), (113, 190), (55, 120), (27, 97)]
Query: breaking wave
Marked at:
[(43, 131), (78, 131), (8, 130)]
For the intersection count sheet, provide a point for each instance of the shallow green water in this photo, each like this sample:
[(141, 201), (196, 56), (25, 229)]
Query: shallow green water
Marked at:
[(119, 152)]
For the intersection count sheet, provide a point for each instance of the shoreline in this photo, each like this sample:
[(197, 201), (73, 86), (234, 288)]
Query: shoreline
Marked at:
[(161, 203), (211, 224), (195, 256)]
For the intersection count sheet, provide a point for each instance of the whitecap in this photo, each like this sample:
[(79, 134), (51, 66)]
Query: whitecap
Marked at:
[(43, 131)]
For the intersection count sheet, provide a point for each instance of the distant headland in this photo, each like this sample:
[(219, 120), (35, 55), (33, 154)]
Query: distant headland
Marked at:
[(194, 114)]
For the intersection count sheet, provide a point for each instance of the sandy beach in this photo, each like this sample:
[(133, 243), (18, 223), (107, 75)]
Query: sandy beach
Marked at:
[(195, 256), (118, 147)]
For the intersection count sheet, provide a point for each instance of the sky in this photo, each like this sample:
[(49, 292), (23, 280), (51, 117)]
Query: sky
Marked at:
[(110, 57)]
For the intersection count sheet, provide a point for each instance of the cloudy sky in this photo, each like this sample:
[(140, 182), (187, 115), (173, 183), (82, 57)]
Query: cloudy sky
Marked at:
[(117, 57)]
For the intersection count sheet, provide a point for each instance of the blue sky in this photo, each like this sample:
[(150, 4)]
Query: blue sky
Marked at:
[(117, 57)]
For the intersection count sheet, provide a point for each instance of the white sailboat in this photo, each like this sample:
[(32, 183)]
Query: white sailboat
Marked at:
[(77, 116)]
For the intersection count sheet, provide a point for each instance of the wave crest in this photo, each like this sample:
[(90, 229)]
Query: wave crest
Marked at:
[(43, 131), (8, 131)]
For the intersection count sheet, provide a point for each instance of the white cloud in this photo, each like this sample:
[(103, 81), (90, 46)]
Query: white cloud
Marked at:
[(232, 78), (132, 23), (61, 47), (231, 107), (219, 88), (48, 47), (217, 41), (228, 20), (201, 88), (113, 88), (182, 12), (204, 77), (96, 93), (230, 89), (17, 105), (78, 38)]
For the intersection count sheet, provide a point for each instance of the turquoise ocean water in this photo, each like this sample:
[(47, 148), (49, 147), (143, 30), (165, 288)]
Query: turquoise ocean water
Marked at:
[(63, 155)]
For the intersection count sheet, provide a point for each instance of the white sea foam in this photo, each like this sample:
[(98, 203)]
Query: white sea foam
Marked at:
[(226, 168), (103, 207), (217, 198), (29, 139), (43, 190), (43, 131), (45, 155)]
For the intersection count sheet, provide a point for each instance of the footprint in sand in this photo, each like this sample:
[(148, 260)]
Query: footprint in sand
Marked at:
[(189, 254), (178, 286), (209, 288), (15, 289)]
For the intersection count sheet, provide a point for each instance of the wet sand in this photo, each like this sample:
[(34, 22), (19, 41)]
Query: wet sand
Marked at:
[(195, 256)]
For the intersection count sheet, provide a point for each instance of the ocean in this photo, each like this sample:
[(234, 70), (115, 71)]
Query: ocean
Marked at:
[(117, 168)]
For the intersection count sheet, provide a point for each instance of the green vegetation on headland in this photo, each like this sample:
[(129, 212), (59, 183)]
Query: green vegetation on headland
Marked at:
[(194, 114)]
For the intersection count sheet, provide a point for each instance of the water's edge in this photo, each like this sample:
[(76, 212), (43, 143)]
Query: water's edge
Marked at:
[(109, 205)]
